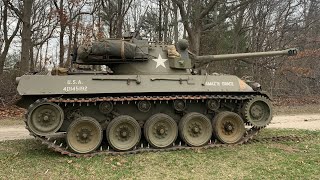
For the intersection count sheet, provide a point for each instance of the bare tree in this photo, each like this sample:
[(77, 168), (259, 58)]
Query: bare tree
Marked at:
[(114, 13), (65, 19), (195, 22), (43, 26), (6, 32)]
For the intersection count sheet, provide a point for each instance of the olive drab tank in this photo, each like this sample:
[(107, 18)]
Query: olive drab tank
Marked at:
[(147, 99)]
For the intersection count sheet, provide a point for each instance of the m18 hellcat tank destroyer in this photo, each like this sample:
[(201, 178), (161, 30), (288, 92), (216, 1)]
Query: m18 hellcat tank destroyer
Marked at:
[(148, 99)]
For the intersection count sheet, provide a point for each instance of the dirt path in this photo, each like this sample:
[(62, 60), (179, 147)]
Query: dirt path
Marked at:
[(300, 121), (14, 132)]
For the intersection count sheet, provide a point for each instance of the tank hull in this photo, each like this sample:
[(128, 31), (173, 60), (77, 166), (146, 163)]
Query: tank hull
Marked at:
[(118, 84)]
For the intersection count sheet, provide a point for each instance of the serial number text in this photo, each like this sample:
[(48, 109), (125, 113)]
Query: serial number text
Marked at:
[(75, 88)]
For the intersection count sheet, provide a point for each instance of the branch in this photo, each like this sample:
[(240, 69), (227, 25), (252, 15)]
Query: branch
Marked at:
[(48, 37), (229, 13), (183, 15), (126, 10), (16, 11), (82, 13), (56, 5), (207, 10), (5, 26), (14, 33)]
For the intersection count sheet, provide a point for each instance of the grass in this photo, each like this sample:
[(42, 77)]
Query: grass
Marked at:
[(28, 159)]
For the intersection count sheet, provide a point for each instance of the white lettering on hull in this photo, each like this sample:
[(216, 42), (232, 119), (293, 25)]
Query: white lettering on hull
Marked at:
[(74, 82), (219, 84), (75, 88)]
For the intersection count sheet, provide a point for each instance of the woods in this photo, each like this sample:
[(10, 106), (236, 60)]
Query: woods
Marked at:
[(36, 35)]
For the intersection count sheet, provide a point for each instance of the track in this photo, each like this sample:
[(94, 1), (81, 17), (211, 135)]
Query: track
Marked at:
[(60, 145), (104, 150)]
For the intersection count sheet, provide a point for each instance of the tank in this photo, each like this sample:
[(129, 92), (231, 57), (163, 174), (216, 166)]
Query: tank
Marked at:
[(147, 98)]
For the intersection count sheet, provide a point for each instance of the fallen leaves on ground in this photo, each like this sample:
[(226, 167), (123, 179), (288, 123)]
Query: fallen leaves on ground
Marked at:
[(295, 100), (11, 111)]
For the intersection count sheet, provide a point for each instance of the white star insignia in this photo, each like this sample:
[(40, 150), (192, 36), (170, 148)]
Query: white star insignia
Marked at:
[(160, 61)]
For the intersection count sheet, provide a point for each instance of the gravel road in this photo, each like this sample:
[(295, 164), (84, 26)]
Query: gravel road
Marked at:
[(299, 121)]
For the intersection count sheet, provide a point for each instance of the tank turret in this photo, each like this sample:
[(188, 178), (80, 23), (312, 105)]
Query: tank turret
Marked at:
[(138, 56)]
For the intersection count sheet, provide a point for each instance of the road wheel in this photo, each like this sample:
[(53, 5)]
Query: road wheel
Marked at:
[(84, 135), (195, 129), (123, 133), (160, 130), (228, 127)]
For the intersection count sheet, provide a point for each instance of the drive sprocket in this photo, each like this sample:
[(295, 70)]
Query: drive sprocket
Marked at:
[(258, 111)]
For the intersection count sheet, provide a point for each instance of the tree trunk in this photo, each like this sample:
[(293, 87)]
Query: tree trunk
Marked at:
[(175, 21), (3, 56), (61, 53), (165, 24), (195, 39), (33, 63), (2, 60), (119, 21), (45, 57), (39, 55), (119, 27), (75, 37), (26, 36), (68, 62)]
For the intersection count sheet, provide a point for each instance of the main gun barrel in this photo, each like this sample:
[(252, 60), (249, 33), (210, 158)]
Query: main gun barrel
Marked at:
[(222, 57)]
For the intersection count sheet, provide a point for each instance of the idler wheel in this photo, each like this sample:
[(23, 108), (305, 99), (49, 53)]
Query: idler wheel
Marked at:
[(160, 130), (45, 118), (228, 127), (84, 135), (258, 111), (195, 129), (123, 133)]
